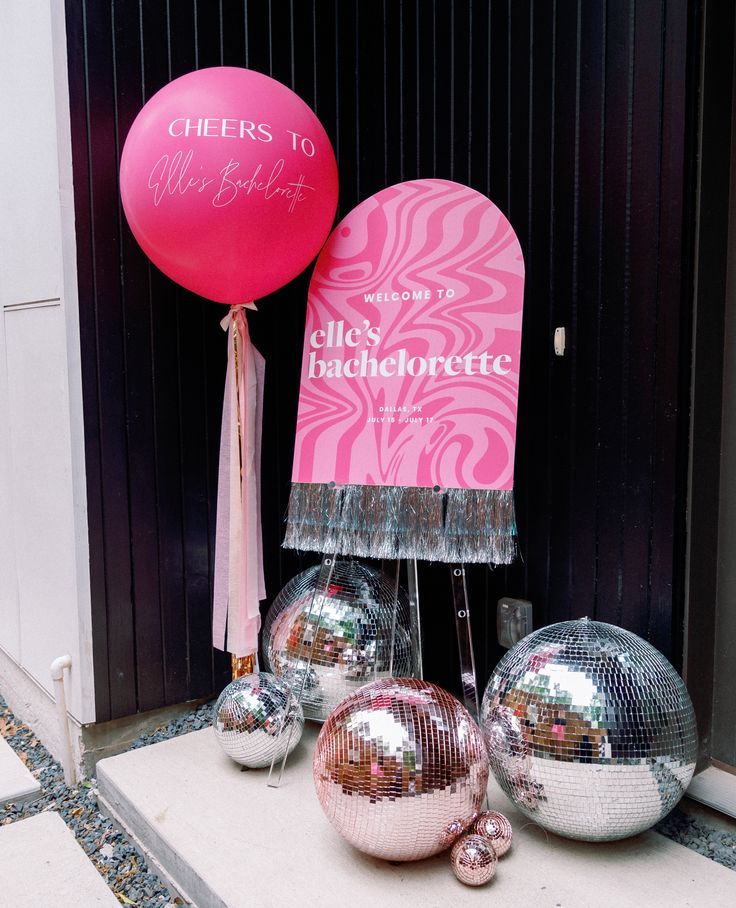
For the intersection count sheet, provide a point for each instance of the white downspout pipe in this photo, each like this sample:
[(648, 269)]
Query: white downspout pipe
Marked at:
[(67, 760)]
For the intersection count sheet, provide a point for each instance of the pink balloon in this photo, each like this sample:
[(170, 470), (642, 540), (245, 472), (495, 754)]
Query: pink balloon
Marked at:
[(229, 183)]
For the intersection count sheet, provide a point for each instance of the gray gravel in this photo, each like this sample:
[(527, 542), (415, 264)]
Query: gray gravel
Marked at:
[(200, 717), (124, 868), (716, 844)]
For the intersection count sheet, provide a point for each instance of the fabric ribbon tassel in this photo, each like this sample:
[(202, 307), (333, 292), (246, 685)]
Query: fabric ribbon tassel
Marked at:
[(239, 583)]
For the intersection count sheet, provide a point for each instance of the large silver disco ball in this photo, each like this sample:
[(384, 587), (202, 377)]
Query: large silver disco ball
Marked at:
[(249, 717), (400, 769), (590, 731), (353, 632)]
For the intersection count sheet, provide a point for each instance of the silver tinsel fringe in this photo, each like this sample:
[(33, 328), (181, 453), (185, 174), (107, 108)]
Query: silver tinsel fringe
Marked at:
[(450, 525)]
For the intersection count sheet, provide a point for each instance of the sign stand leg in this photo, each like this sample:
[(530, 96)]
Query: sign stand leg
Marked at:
[(297, 684), (415, 630), (392, 639), (468, 674), (415, 623), (465, 641)]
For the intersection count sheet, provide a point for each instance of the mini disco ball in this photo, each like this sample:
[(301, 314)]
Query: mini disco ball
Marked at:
[(473, 860), (590, 731), (249, 716), (495, 827), (400, 769), (353, 631)]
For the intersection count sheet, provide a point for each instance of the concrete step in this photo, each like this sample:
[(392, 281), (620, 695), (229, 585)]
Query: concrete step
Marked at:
[(222, 838), (41, 864), (716, 789), (16, 782)]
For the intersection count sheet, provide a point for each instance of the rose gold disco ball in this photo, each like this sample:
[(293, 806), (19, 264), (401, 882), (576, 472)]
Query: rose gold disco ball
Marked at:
[(400, 769), (473, 860)]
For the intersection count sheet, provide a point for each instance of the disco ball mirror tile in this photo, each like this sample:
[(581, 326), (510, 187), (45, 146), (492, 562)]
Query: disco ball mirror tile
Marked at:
[(249, 716), (351, 634), (400, 769), (590, 730)]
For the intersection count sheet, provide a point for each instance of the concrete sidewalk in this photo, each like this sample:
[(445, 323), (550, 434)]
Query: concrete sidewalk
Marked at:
[(41, 865), (225, 840), (16, 782)]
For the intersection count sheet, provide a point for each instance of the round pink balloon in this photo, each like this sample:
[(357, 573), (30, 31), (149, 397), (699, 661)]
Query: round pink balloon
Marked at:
[(229, 183)]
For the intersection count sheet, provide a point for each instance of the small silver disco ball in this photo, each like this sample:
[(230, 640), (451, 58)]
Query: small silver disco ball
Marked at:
[(590, 731), (352, 633), (249, 716)]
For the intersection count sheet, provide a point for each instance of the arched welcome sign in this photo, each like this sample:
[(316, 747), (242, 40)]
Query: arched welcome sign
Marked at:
[(407, 412)]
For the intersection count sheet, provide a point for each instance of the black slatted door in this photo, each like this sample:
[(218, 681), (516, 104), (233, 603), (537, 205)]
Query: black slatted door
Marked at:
[(573, 118)]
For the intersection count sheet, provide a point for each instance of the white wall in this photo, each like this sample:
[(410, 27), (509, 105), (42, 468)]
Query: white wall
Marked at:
[(44, 571)]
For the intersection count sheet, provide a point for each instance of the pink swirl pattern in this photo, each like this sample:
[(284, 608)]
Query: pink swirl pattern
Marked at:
[(434, 269)]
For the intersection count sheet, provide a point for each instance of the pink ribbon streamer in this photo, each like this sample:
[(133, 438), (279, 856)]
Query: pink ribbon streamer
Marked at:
[(239, 584)]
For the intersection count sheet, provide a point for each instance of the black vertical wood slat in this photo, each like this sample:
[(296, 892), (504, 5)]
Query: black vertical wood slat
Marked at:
[(460, 90), (498, 89), (302, 42), (257, 34), (183, 49), (584, 335), (232, 37), (520, 67), (536, 408), (572, 190), (503, 581), (281, 42), (642, 321), (143, 493), (345, 87), (478, 64), (565, 83), (573, 117), (324, 68), (172, 592), (611, 418), (195, 401), (426, 81), (367, 108), (671, 385), (442, 101), (406, 63), (521, 208), (110, 351), (384, 162), (202, 37)]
